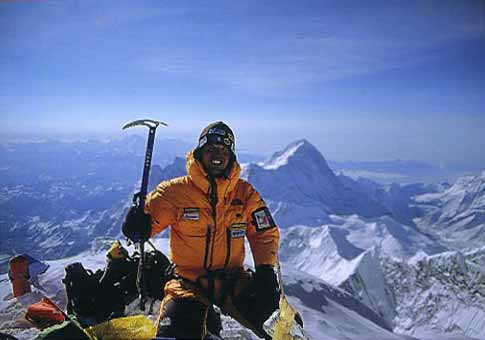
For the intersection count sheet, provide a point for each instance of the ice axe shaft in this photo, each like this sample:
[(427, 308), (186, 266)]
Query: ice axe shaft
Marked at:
[(140, 197)]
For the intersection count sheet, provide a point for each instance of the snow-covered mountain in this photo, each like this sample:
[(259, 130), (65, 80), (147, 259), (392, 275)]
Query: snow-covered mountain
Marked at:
[(56, 197), (300, 188), (327, 254), (427, 296), (395, 197), (367, 281), (60, 220), (332, 313), (441, 295), (346, 237), (457, 214), (347, 253)]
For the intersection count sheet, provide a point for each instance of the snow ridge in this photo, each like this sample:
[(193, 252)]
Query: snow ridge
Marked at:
[(457, 214)]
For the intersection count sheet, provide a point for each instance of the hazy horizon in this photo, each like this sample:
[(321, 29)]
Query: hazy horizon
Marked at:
[(462, 168)]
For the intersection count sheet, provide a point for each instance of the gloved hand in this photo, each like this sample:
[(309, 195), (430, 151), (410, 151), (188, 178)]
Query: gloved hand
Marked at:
[(137, 225), (260, 298), (267, 287)]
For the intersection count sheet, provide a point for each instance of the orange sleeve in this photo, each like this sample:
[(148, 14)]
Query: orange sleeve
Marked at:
[(162, 211), (262, 232)]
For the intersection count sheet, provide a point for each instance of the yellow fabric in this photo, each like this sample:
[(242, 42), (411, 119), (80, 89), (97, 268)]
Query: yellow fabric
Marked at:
[(184, 204), (116, 251), (285, 319), (136, 327)]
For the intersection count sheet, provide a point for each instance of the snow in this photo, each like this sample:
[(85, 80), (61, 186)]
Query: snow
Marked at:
[(440, 294), (329, 312), (337, 322), (457, 214), (329, 251), (324, 253)]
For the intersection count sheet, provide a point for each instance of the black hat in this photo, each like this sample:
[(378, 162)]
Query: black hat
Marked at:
[(218, 133)]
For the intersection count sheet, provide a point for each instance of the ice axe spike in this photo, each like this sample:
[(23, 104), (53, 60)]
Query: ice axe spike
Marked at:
[(139, 198)]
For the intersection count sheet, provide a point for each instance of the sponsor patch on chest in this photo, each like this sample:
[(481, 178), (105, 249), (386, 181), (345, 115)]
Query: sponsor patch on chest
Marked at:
[(191, 214), (262, 219), (238, 230)]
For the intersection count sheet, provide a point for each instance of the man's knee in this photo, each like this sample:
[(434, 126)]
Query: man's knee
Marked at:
[(182, 318), (187, 319)]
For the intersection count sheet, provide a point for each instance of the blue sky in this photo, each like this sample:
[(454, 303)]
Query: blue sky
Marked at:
[(362, 80)]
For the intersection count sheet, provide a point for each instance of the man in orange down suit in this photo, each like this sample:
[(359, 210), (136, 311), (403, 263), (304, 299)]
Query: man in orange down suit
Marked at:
[(210, 212)]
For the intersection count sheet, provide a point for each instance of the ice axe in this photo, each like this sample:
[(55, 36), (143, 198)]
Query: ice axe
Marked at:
[(139, 197)]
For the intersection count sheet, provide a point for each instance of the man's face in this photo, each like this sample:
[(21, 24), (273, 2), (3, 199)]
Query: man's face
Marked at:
[(215, 159)]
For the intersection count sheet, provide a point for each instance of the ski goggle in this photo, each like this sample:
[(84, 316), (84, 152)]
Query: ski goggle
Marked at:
[(217, 136)]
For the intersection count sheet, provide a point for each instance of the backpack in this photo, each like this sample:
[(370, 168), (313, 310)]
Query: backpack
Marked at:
[(157, 273), (104, 294), (44, 314), (118, 284), (82, 288)]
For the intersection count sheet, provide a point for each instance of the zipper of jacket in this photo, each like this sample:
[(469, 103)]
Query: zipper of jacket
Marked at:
[(228, 232), (228, 247), (213, 202), (207, 243)]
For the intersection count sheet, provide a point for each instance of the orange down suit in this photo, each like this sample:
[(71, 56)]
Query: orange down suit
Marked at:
[(207, 231)]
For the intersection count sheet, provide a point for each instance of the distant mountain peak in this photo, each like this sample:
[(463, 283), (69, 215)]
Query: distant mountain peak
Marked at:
[(300, 151)]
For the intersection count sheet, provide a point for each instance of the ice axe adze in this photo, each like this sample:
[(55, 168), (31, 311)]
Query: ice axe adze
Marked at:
[(139, 197)]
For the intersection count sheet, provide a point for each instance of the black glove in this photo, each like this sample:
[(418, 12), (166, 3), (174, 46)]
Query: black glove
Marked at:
[(260, 298), (266, 286), (137, 225)]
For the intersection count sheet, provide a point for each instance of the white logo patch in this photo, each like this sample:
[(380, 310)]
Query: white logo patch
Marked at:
[(238, 233), (216, 131), (191, 214), (238, 230), (262, 220)]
